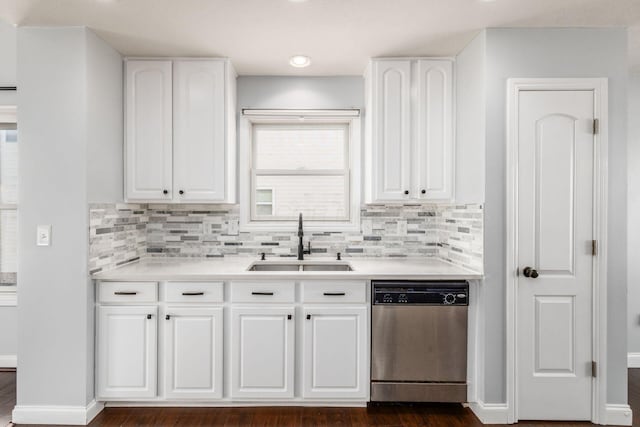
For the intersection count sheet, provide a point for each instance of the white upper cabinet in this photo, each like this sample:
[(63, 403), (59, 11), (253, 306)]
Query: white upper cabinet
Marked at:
[(197, 131), (148, 130), (409, 133), (392, 129), (434, 138)]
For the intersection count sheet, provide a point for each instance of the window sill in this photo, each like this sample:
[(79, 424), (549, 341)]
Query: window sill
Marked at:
[(292, 226)]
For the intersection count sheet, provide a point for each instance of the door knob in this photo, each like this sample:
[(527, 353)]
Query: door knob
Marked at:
[(530, 272)]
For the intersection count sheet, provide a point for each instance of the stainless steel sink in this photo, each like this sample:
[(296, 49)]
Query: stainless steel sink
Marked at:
[(299, 266), (326, 267), (275, 267)]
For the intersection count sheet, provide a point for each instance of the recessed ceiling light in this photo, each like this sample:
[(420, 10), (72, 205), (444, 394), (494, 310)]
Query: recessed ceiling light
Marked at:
[(300, 61)]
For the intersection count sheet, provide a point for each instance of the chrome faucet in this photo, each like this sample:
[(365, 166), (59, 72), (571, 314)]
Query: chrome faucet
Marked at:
[(301, 251)]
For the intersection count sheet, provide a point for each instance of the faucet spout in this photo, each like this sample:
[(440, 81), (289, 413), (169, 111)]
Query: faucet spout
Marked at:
[(300, 236)]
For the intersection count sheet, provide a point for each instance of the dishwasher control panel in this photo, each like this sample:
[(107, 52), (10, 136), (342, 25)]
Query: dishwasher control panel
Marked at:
[(421, 293)]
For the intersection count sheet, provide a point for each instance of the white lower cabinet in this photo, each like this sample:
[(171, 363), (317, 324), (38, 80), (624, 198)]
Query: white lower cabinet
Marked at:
[(127, 352), (335, 356), (262, 354), (193, 338), (232, 342)]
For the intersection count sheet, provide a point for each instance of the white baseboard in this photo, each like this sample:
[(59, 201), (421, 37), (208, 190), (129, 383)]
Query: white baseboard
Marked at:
[(618, 415), (55, 415), (490, 413), (8, 361), (633, 360)]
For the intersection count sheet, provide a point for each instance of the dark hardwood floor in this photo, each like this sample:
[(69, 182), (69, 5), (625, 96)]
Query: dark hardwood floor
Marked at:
[(431, 415)]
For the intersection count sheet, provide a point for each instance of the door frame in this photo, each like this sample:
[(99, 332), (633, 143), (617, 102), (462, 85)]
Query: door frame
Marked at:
[(599, 86)]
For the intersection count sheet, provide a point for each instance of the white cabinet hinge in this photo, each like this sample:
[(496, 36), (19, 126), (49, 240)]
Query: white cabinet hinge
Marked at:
[(596, 126)]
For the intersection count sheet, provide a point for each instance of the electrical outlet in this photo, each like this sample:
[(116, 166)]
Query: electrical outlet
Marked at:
[(402, 228), (233, 226), (43, 235), (367, 227)]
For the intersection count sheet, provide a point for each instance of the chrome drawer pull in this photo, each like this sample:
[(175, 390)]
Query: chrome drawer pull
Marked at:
[(192, 293), (334, 294), (261, 293), (125, 293)]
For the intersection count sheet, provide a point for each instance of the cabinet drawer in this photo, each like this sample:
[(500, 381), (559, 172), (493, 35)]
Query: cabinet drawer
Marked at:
[(334, 291), (272, 291), (194, 292), (128, 292)]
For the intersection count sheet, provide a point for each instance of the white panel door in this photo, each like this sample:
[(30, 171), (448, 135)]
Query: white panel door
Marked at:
[(433, 162), (148, 104), (193, 352), (555, 204), (335, 357), (392, 133), (127, 351), (262, 354), (199, 131)]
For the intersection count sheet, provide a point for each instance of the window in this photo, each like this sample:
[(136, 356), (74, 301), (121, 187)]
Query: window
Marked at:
[(296, 164), (8, 197)]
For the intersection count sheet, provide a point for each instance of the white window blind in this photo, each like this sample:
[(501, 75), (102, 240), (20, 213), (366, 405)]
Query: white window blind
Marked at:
[(300, 168), (8, 203)]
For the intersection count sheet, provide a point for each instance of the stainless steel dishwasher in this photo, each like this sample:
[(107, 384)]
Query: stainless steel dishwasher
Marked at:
[(419, 341)]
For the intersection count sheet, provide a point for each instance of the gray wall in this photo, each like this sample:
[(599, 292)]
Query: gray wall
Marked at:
[(470, 122), (300, 92), (8, 63), (8, 315), (8, 331), (633, 231), (105, 139), (55, 313), (554, 53)]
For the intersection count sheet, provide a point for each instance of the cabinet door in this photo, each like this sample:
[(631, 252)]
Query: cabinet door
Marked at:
[(336, 354), (199, 137), (391, 134), (127, 351), (433, 166), (262, 352), (148, 131), (193, 353)]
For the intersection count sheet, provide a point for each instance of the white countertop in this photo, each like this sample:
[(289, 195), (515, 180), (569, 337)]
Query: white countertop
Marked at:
[(235, 268)]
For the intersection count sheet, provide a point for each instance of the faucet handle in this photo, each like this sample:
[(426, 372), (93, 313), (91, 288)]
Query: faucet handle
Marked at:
[(339, 256), (262, 256)]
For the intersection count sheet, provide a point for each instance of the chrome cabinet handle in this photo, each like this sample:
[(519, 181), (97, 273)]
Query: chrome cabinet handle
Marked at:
[(125, 293), (530, 272), (192, 293), (334, 294), (261, 293)]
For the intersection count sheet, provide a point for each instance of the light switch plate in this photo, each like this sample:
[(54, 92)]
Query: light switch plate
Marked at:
[(43, 235)]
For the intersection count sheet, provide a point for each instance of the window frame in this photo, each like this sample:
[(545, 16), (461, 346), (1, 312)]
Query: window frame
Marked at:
[(349, 118), (8, 293)]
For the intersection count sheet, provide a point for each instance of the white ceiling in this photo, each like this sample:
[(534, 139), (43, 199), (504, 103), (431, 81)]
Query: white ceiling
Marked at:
[(260, 35)]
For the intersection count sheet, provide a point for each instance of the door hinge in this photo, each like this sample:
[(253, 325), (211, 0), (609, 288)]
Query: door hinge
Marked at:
[(596, 126), (594, 247), (594, 369)]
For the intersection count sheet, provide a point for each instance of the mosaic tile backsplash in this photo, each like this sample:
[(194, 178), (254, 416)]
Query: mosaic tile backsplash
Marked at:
[(122, 233)]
